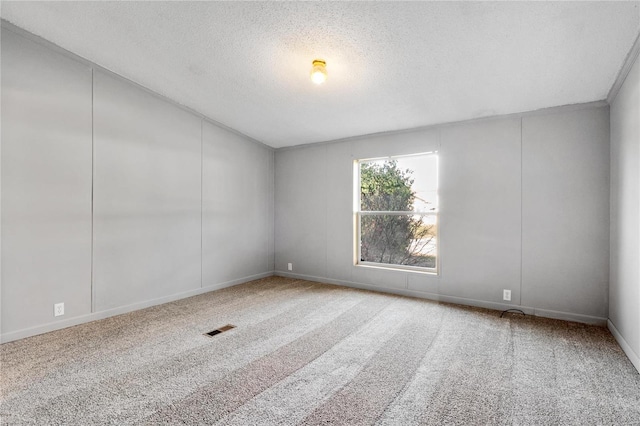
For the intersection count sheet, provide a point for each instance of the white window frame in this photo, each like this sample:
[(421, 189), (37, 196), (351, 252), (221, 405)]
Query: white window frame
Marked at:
[(357, 215)]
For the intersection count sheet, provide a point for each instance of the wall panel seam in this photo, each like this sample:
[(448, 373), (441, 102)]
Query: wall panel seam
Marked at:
[(521, 209), (92, 188), (201, 202)]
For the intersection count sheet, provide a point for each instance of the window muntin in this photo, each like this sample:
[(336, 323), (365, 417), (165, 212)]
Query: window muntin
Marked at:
[(396, 212)]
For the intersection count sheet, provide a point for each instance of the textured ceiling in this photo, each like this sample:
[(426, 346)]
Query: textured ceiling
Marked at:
[(392, 65)]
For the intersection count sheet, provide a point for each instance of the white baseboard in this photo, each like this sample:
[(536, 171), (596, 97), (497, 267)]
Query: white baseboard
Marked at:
[(570, 316), (45, 328), (546, 313), (567, 316), (633, 357)]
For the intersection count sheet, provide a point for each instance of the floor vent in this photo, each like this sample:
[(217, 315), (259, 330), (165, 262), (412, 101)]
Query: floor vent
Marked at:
[(220, 330)]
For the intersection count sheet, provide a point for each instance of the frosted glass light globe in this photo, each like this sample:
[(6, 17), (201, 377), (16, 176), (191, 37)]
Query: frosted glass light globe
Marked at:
[(319, 71)]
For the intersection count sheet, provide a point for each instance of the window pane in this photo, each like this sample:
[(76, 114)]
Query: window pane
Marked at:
[(400, 184), (424, 174), (398, 239)]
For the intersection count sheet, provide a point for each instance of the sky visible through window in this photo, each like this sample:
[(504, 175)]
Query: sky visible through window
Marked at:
[(425, 179)]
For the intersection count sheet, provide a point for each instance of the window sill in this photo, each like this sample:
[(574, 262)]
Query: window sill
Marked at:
[(398, 268)]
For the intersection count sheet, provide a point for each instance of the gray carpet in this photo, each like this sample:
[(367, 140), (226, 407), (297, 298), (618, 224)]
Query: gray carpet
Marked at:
[(311, 354)]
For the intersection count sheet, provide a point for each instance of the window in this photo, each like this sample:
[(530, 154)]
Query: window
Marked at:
[(396, 212)]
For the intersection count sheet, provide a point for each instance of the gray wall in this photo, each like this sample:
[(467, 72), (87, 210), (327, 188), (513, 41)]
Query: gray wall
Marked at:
[(46, 184), (565, 212), (524, 206), (114, 198), (237, 207), (146, 202), (624, 290)]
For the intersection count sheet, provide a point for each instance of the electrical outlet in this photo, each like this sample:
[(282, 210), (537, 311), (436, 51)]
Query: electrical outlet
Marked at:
[(58, 309), (506, 294), (290, 266)]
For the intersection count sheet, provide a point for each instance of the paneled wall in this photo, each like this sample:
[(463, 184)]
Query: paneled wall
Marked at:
[(624, 291), (114, 198), (510, 188), (237, 207), (146, 205), (565, 211), (480, 196), (46, 184)]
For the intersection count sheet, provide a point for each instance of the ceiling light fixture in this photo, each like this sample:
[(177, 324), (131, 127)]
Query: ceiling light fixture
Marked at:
[(319, 71)]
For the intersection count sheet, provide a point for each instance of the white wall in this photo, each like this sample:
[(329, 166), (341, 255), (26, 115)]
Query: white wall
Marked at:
[(110, 194), (498, 184), (624, 290)]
